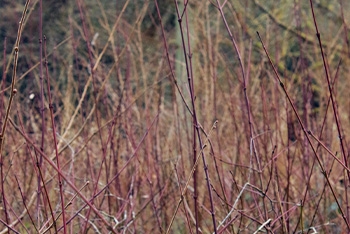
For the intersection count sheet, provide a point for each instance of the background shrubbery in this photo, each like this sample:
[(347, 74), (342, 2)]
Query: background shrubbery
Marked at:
[(124, 123)]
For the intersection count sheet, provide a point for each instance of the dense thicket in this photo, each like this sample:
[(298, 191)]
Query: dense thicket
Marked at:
[(112, 80)]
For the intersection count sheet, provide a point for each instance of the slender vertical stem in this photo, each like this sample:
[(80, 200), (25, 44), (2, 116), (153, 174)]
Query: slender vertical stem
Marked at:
[(1, 156), (2, 85), (95, 90), (42, 107), (336, 116), (12, 95), (56, 148), (14, 75), (196, 126), (55, 144), (346, 38), (308, 183)]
